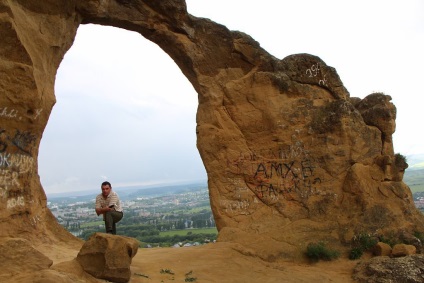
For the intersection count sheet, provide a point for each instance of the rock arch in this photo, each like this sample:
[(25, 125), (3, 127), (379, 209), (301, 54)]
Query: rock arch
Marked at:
[(290, 157)]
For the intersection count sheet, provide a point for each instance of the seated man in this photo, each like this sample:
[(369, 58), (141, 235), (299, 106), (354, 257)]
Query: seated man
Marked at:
[(108, 204)]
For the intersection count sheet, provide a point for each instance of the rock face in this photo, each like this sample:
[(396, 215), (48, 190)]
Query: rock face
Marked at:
[(382, 249), (108, 257), (403, 250), (26, 258), (384, 269), (290, 157)]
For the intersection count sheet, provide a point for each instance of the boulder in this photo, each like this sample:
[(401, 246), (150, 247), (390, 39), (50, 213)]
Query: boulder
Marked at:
[(107, 256), (403, 250), (412, 239), (382, 249), (384, 269)]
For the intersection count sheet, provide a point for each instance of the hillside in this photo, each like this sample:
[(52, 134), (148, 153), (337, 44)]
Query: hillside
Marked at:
[(414, 175), (415, 180)]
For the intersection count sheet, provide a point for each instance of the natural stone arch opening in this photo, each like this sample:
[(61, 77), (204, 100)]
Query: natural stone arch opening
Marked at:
[(290, 157), (130, 119)]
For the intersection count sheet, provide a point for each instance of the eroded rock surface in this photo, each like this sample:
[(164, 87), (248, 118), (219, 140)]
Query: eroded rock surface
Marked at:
[(290, 157), (26, 258), (383, 269)]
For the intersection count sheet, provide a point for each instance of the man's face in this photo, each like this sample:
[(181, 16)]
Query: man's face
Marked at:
[(106, 190)]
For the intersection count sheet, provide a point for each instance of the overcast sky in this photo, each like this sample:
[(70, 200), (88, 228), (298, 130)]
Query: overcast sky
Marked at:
[(125, 113)]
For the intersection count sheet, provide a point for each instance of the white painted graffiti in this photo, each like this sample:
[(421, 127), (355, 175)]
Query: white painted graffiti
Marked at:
[(37, 113), (4, 159), (323, 81), (235, 207), (10, 114), (314, 71), (8, 179), (22, 163), (13, 202), (34, 220)]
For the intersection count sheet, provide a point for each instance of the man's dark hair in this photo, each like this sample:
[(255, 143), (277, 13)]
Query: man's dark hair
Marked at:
[(106, 183)]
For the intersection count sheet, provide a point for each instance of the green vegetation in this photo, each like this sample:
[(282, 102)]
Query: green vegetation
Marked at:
[(167, 271), (356, 253), (419, 236), (189, 278), (360, 244), (400, 161), (185, 232), (149, 236), (318, 251), (141, 275), (167, 239), (92, 224)]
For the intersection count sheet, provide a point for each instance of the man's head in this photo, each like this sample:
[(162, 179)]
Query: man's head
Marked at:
[(106, 188)]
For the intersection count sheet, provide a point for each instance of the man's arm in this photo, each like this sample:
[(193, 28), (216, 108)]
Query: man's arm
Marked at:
[(102, 210), (99, 208)]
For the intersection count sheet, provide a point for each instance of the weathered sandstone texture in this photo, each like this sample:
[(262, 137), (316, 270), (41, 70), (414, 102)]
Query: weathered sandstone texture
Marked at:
[(383, 269), (108, 256), (290, 157), (25, 257)]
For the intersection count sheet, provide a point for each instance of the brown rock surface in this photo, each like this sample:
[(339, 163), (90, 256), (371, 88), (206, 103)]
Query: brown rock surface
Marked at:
[(290, 157), (382, 249), (403, 250), (22, 256), (107, 256), (212, 263), (383, 269)]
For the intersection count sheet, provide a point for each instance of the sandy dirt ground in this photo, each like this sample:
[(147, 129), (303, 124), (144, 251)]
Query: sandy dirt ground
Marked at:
[(217, 262)]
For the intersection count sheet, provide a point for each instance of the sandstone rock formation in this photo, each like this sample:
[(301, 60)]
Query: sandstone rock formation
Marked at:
[(108, 257), (384, 269), (382, 249), (26, 258), (290, 157), (403, 250)]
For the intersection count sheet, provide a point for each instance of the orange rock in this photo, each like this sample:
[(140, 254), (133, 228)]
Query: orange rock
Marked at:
[(108, 256), (403, 250), (382, 249)]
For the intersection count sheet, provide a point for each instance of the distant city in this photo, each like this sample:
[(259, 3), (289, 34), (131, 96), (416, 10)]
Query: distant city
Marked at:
[(155, 216)]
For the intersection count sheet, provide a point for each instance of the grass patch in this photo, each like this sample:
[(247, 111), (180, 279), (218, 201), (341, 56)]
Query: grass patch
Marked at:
[(400, 161), (191, 231), (361, 243), (92, 224), (189, 277), (319, 251), (356, 253), (167, 271), (141, 275)]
